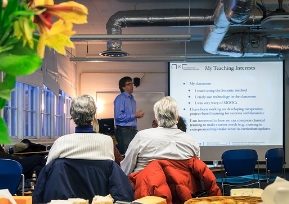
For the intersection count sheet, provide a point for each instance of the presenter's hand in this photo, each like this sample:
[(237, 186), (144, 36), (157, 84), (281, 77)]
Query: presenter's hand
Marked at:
[(139, 114)]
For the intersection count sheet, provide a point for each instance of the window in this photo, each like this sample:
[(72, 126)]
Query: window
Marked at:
[(68, 122), (29, 110), (62, 107), (47, 107), (35, 113), (10, 115)]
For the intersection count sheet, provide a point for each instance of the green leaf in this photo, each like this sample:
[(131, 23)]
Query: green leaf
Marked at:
[(11, 8), (4, 136), (1, 9), (2, 103), (17, 65), (7, 86), (18, 48)]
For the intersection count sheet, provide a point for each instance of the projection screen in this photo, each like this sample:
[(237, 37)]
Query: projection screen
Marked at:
[(230, 105)]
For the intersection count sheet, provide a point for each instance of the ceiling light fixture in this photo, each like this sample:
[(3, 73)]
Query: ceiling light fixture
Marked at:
[(114, 53)]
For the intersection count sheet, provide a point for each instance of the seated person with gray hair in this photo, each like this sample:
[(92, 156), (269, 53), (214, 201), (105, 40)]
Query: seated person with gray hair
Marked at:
[(85, 143), (164, 142), (81, 164)]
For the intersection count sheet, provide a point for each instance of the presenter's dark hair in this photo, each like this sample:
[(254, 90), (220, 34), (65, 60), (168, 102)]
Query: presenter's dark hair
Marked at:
[(123, 81)]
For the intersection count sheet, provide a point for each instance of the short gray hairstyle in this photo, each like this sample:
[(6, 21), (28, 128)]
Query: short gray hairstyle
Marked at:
[(82, 110), (166, 112)]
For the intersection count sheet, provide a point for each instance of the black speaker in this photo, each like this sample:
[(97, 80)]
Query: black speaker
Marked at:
[(136, 81)]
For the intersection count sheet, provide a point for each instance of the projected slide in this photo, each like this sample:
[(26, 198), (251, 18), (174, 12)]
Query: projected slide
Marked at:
[(230, 103)]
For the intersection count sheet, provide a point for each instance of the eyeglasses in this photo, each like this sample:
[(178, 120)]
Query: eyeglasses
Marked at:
[(129, 84)]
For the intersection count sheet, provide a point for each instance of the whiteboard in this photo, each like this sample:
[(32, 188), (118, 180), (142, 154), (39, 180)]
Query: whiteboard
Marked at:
[(144, 101)]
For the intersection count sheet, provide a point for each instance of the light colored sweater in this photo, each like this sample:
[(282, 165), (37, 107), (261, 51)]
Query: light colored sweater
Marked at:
[(90, 146)]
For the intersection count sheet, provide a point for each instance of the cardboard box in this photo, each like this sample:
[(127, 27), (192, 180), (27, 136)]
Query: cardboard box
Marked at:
[(18, 199)]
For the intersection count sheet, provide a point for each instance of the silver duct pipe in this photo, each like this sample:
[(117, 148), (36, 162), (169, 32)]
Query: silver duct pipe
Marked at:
[(217, 32), (227, 12), (159, 17), (248, 45), (277, 45), (237, 12)]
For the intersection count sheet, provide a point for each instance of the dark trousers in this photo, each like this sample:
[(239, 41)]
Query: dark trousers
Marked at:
[(32, 163), (124, 136)]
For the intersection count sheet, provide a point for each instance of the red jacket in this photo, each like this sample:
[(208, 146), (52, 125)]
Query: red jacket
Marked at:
[(174, 180)]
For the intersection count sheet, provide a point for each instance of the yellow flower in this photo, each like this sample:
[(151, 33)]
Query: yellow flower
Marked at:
[(58, 37), (67, 11)]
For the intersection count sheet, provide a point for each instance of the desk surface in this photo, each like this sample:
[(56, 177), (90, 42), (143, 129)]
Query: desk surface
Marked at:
[(223, 199), (26, 153), (213, 168)]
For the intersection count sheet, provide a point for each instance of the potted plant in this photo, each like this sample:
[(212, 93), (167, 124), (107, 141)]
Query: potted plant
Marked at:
[(26, 28)]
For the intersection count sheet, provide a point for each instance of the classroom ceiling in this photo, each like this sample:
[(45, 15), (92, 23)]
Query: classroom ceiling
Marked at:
[(227, 28)]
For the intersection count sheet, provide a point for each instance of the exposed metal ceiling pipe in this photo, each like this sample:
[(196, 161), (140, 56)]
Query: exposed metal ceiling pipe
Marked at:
[(217, 32), (227, 12), (159, 17), (137, 37), (248, 45), (277, 45)]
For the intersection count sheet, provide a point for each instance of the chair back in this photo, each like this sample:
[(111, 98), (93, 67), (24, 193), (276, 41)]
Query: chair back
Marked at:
[(275, 160), (75, 178), (239, 162), (10, 175)]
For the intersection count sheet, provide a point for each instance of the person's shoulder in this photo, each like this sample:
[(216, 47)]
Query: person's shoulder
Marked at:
[(147, 132), (64, 137), (119, 97), (103, 136), (189, 137)]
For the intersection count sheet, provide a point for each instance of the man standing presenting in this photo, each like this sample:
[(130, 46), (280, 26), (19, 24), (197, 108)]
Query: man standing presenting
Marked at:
[(125, 114)]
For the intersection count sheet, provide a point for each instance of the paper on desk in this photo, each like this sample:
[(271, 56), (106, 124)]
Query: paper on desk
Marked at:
[(5, 193), (277, 192)]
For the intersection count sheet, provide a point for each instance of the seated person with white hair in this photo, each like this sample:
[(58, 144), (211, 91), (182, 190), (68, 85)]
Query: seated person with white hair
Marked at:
[(85, 143), (164, 142), (164, 161)]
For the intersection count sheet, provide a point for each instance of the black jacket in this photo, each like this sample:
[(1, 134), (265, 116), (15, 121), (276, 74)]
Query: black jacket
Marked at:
[(75, 178)]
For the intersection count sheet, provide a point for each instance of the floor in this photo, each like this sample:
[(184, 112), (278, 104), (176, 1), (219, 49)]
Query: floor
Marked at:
[(263, 184)]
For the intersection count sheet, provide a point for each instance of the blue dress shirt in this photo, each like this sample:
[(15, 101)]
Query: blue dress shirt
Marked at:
[(124, 110)]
